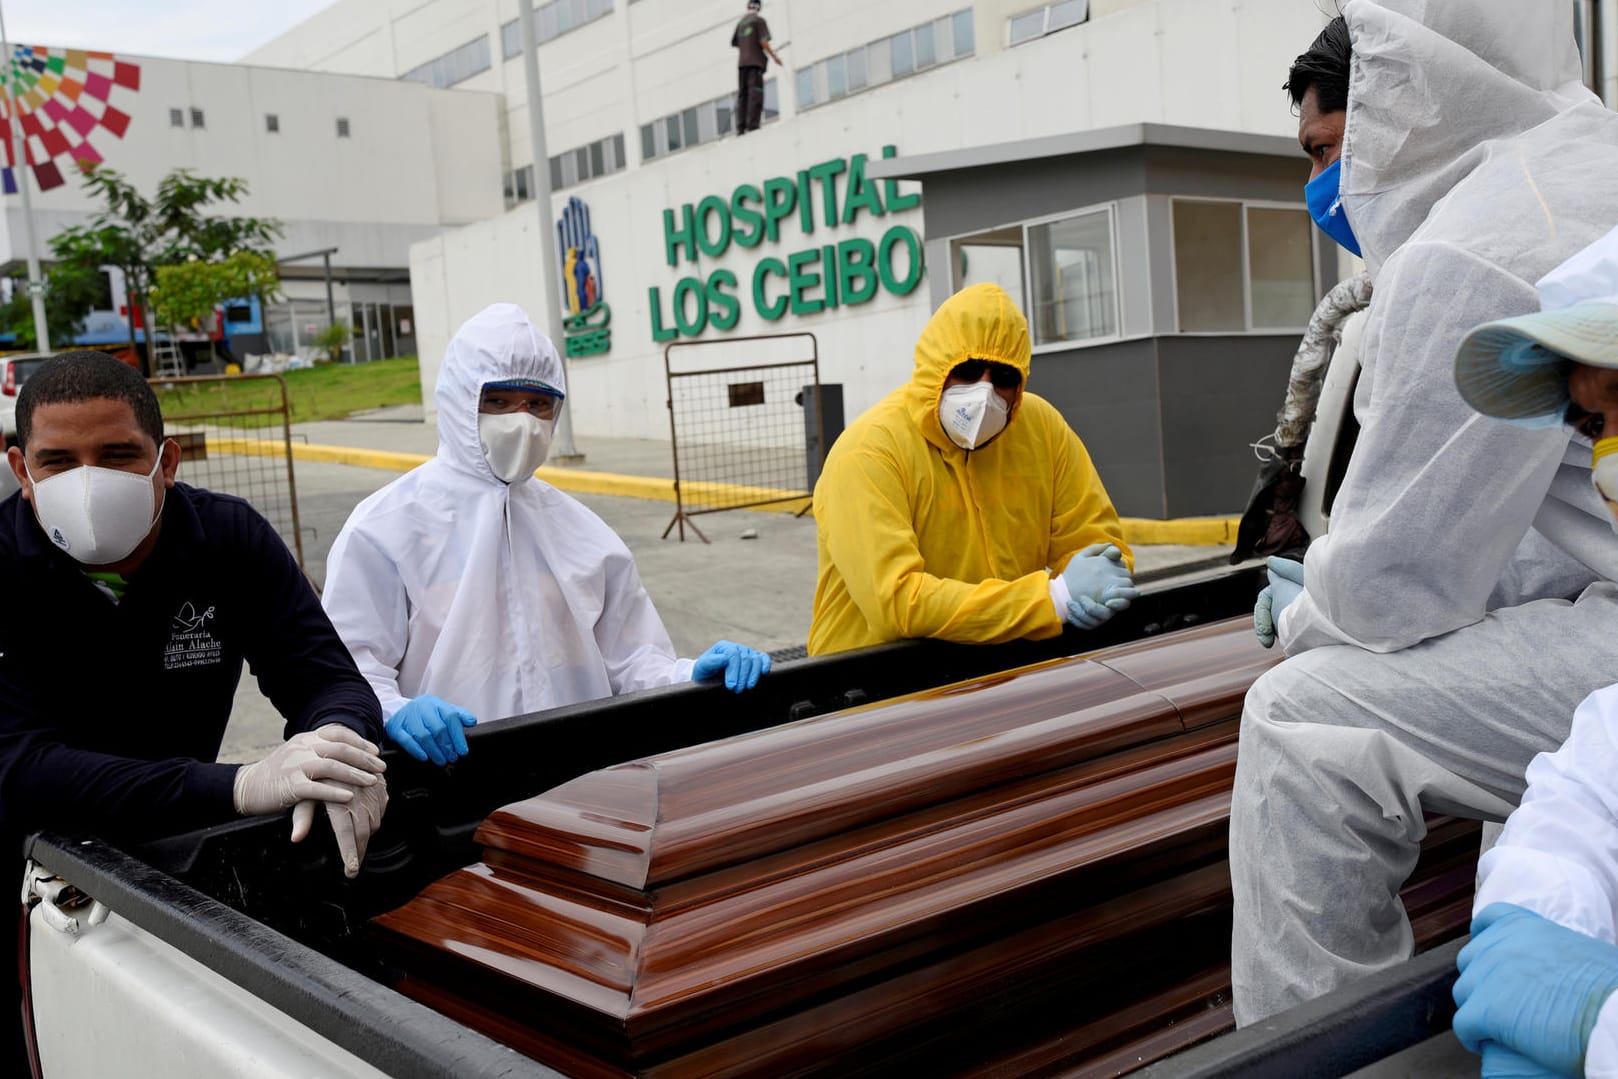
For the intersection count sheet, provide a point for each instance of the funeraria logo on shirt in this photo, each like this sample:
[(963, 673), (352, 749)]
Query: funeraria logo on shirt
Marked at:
[(191, 643)]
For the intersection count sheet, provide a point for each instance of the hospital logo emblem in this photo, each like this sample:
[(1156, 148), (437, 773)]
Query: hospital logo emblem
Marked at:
[(586, 318)]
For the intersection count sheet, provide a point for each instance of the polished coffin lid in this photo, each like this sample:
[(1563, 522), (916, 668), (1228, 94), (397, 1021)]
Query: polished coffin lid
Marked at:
[(723, 896)]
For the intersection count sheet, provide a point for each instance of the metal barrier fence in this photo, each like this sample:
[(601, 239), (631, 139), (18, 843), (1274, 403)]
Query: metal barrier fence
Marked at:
[(235, 437), (741, 433)]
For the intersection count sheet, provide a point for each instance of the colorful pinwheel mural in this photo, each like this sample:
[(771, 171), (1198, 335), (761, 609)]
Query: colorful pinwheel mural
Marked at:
[(65, 100)]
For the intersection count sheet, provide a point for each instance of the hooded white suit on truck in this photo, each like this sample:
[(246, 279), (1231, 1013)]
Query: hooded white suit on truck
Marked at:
[(502, 598), (1456, 613)]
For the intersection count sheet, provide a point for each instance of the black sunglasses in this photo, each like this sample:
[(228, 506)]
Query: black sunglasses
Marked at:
[(1002, 376)]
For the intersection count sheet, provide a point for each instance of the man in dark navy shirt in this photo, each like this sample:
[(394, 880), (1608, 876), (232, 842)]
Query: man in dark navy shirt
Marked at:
[(131, 602)]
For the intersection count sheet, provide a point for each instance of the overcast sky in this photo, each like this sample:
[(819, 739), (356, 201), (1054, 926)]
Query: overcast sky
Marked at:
[(221, 30)]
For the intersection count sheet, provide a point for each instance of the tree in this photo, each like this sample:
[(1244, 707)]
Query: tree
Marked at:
[(71, 293), (137, 234), (187, 294)]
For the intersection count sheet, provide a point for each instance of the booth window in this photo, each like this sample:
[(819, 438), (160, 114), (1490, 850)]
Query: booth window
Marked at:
[(1073, 276), (1240, 268), (1070, 267), (993, 257)]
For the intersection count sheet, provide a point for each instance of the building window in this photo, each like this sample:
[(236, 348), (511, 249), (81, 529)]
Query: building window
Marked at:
[(1280, 267), (342, 127), (176, 117), (551, 21), (700, 123), (272, 123), (600, 158), (519, 185), (1240, 268), (1063, 274), (1046, 20), (1072, 273), (894, 57), (993, 257), (455, 66), (197, 118)]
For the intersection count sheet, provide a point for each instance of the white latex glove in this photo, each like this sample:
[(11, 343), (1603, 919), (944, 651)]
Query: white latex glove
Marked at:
[(327, 765), (352, 822)]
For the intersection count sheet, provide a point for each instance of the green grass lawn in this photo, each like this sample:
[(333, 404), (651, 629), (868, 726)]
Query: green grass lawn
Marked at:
[(328, 392)]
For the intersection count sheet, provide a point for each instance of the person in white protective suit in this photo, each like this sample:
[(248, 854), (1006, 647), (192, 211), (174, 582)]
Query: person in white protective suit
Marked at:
[(469, 590), (1458, 609), (1538, 992)]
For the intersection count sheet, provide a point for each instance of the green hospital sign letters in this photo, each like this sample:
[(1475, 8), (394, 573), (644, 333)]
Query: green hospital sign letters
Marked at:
[(816, 279)]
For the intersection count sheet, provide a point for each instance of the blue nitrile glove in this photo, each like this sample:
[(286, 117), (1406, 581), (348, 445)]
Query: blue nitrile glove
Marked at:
[(1532, 987), (1286, 584), (1501, 1063), (1098, 585), (430, 729), (740, 665)]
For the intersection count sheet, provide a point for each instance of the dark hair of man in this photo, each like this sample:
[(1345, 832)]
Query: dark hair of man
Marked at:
[(1324, 67), (71, 377)]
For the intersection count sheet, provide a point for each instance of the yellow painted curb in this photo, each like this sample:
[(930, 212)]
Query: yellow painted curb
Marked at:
[(1186, 531)]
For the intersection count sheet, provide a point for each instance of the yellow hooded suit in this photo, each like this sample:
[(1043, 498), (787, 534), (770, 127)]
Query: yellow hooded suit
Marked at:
[(920, 538)]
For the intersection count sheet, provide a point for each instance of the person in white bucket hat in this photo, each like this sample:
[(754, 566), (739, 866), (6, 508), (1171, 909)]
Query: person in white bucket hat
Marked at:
[(1540, 978)]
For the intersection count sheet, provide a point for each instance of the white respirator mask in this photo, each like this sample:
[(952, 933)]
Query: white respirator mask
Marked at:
[(972, 414), (97, 515), (1604, 474), (514, 443)]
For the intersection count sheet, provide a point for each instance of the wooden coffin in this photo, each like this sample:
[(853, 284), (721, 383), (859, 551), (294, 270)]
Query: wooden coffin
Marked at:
[(1023, 874)]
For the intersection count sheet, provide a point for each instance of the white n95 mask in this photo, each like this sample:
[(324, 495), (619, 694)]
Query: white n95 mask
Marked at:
[(514, 443), (97, 515), (1604, 474), (972, 414)]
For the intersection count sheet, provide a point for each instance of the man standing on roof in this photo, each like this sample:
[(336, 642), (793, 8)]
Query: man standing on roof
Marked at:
[(962, 507), (469, 590), (752, 44), (1456, 613)]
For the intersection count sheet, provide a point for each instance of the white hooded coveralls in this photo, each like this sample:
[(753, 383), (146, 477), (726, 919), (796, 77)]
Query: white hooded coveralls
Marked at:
[(503, 599), (1558, 854), (1457, 611)]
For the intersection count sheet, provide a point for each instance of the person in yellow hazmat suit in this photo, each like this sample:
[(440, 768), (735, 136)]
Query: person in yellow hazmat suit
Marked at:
[(962, 507)]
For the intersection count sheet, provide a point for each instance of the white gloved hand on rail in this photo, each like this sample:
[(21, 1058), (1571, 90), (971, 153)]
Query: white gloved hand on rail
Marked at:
[(352, 822), (327, 765)]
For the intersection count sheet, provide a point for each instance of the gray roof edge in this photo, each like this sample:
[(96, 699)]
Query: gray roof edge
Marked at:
[(1083, 142)]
